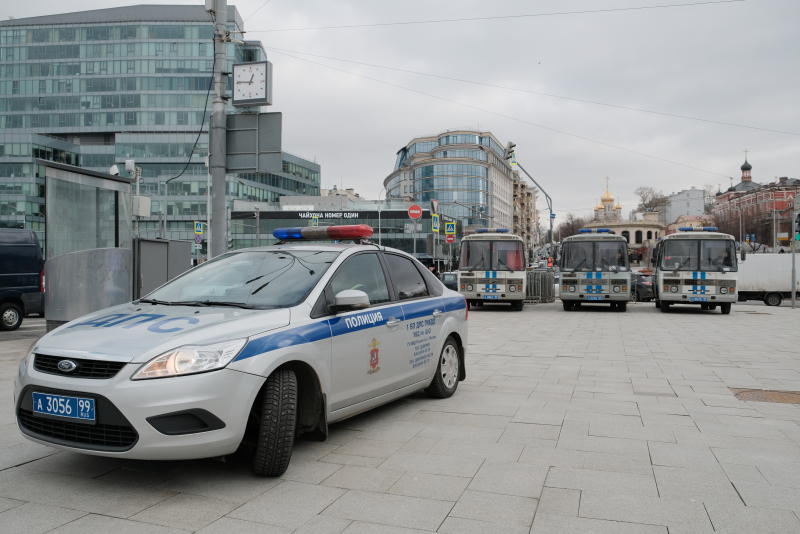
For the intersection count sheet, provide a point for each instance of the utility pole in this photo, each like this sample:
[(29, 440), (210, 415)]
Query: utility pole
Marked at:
[(218, 221), (258, 227), (510, 157), (793, 237)]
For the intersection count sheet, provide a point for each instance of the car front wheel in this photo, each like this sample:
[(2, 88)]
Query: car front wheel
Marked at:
[(445, 381), (276, 430)]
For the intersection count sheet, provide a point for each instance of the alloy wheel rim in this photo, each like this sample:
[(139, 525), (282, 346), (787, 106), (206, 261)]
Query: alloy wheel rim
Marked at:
[(10, 317), (449, 366)]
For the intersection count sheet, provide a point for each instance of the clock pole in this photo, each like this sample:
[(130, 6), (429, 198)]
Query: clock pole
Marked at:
[(218, 222)]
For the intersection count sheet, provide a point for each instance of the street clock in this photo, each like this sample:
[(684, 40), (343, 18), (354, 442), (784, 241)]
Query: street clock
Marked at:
[(252, 84)]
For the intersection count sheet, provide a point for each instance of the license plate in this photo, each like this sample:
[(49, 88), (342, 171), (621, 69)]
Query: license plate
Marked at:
[(79, 408), (490, 297), (698, 299), (593, 298)]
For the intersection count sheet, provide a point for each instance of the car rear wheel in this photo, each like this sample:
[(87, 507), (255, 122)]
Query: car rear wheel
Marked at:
[(445, 382), (773, 299), (276, 428), (10, 316)]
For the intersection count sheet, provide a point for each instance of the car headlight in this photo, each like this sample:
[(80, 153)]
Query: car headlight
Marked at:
[(723, 290), (513, 289), (616, 289), (190, 359), (674, 289), (469, 287)]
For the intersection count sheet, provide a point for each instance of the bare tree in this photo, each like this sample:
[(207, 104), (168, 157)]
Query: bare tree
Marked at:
[(650, 199), (571, 225)]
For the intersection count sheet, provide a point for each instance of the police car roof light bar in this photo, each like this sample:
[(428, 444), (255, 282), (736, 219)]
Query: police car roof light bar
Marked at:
[(686, 229), (710, 229), (353, 231), (492, 230)]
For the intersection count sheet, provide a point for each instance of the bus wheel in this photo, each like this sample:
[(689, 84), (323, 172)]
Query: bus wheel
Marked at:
[(516, 305), (773, 299), (664, 307), (658, 303), (622, 306), (725, 308), (567, 305)]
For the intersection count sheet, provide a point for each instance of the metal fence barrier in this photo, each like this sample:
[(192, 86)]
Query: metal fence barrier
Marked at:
[(541, 287)]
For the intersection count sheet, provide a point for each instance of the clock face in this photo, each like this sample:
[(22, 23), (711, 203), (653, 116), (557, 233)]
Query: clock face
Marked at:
[(250, 83)]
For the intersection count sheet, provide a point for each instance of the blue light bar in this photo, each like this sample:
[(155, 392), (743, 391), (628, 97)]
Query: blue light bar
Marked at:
[(710, 229), (686, 229), (603, 230), (584, 231), (595, 230), (283, 234), (492, 230)]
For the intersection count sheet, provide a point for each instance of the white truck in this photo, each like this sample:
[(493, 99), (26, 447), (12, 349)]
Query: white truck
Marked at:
[(768, 277)]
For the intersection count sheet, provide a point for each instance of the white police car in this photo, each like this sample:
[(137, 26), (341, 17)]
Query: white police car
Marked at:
[(256, 346)]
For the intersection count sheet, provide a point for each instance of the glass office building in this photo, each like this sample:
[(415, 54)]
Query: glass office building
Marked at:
[(95, 88), (466, 171)]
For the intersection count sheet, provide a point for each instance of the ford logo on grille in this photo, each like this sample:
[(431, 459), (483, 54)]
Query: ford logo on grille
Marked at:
[(67, 366)]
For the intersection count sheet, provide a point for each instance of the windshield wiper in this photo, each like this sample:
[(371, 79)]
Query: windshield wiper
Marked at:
[(156, 301), (212, 303)]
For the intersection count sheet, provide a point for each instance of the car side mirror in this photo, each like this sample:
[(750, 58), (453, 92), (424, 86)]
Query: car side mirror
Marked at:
[(350, 299), (744, 255)]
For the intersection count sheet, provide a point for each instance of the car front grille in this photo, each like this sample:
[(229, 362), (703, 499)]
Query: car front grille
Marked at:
[(99, 436), (85, 368)]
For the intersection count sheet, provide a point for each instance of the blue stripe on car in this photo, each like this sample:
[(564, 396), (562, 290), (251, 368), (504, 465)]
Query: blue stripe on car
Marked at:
[(337, 326)]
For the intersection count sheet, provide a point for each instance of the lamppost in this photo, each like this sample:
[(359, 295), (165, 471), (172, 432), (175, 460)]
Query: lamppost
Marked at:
[(510, 157)]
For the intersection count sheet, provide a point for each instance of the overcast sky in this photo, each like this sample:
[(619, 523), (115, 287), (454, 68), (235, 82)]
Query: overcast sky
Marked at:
[(734, 62)]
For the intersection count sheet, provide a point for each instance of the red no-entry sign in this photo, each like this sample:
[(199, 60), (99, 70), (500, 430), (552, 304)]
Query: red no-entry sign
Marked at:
[(414, 211), (451, 239)]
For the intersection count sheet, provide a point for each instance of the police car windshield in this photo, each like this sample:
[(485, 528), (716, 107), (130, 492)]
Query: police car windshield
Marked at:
[(257, 279)]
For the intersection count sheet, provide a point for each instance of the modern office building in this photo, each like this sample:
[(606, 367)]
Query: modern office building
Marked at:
[(465, 170), (95, 88)]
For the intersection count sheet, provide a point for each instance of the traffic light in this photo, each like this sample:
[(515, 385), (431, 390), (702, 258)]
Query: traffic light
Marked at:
[(510, 151), (797, 227)]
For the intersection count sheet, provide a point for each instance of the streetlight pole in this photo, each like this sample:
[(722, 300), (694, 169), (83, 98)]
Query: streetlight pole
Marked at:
[(218, 132), (547, 198)]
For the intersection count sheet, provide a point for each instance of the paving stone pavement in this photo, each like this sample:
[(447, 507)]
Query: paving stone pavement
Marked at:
[(579, 422)]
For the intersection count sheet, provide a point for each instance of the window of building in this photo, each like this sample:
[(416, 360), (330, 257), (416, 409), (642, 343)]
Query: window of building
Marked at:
[(638, 237)]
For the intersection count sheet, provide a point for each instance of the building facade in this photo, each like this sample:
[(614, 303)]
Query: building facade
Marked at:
[(752, 209), (465, 170), (526, 216), (95, 88), (252, 223), (687, 203)]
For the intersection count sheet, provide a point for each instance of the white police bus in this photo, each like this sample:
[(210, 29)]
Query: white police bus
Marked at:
[(594, 268), (492, 267), (696, 266)]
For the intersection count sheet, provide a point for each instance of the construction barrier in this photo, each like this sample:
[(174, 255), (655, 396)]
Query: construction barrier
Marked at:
[(540, 287)]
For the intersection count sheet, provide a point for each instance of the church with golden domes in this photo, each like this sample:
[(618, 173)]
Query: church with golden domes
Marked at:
[(640, 234), (607, 211)]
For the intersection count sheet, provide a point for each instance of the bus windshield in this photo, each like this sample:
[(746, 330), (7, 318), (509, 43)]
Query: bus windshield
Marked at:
[(699, 255), (485, 255), (594, 256)]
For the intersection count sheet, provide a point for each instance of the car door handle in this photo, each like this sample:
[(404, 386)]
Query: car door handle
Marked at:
[(392, 322), (437, 313)]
